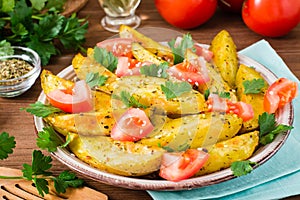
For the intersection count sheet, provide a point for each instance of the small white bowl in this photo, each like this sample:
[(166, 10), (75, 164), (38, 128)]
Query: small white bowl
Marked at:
[(17, 86)]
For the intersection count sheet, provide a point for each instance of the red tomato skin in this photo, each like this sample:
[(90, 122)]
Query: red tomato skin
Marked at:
[(186, 14), (126, 129), (72, 102), (271, 18), (281, 92), (234, 6), (182, 165)]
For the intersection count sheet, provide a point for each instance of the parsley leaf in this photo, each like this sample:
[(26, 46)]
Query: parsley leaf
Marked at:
[(206, 94), (129, 100), (41, 110), (240, 168), (48, 139), (155, 70), (269, 129), (105, 58), (7, 145), (95, 79), (225, 95), (179, 50), (254, 86), (66, 179), (175, 89), (5, 48), (41, 185)]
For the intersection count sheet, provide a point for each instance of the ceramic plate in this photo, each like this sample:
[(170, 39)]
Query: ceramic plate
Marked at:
[(284, 116)]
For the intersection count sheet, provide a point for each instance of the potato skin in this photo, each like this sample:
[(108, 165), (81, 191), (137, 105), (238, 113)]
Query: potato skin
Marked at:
[(50, 82), (255, 100), (195, 130), (222, 154), (123, 158), (225, 56)]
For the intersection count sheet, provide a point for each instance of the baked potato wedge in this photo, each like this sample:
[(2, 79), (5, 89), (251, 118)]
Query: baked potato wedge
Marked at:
[(143, 55), (151, 45), (194, 131), (147, 90), (246, 73), (222, 154), (123, 158), (84, 65), (50, 82), (225, 56)]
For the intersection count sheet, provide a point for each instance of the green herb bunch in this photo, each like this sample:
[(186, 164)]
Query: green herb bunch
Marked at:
[(38, 171), (39, 25)]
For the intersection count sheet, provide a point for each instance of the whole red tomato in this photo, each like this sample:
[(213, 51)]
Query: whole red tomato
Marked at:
[(272, 18), (186, 14), (231, 5)]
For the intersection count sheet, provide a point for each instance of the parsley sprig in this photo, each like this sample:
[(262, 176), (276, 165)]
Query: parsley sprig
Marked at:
[(254, 86), (175, 89), (179, 49), (268, 128), (38, 171), (7, 144), (41, 110), (240, 168), (37, 24), (105, 58), (154, 70), (128, 100), (95, 79)]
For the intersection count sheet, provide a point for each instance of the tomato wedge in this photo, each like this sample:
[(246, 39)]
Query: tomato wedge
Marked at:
[(72, 100), (242, 109), (279, 94), (133, 125), (177, 166), (193, 71), (121, 48)]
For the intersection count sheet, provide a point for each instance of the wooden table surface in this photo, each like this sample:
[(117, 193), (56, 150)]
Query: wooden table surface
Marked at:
[(20, 124)]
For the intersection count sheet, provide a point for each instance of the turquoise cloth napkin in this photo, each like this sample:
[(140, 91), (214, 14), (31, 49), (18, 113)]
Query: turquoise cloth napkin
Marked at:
[(279, 177)]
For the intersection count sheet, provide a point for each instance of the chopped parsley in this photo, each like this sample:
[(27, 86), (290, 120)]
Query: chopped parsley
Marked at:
[(105, 58), (175, 89), (129, 100), (179, 49), (268, 128), (95, 79), (254, 86), (155, 70), (41, 110), (240, 168)]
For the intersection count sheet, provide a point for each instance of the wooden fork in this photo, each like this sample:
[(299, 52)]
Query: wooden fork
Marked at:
[(22, 189)]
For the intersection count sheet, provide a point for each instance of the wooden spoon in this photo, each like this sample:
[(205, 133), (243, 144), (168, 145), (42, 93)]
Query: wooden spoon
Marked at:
[(11, 189)]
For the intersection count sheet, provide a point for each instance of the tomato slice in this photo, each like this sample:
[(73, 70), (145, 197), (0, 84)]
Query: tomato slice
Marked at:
[(72, 100), (279, 94), (193, 71), (177, 166), (218, 104), (133, 125), (118, 46)]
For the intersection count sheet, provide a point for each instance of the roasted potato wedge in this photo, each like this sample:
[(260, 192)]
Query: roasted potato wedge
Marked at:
[(147, 90), (143, 55), (255, 100), (84, 65), (154, 47), (123, 158), (225, 56), (222, 154), (194, 130), (50, 82)]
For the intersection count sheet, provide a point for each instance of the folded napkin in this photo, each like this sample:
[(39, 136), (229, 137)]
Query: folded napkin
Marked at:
[(279, 177)]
